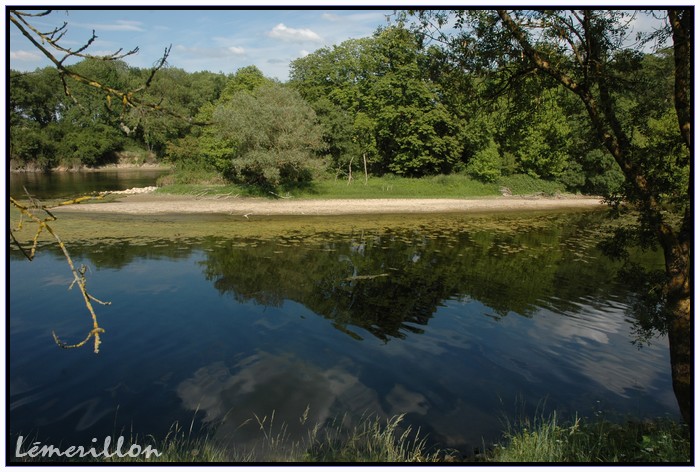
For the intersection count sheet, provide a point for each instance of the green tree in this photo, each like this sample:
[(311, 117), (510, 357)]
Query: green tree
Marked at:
[(180, 92), (585, 52), (331, 80), (382, 77), (246, 79), (415, 132), (276, 136), (486, 163), (34, 111), (544, 147)]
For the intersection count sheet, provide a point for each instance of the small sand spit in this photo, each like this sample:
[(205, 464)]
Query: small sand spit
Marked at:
[(143, 202)]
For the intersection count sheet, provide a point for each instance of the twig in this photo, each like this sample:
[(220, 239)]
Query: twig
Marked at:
[(78, 274)]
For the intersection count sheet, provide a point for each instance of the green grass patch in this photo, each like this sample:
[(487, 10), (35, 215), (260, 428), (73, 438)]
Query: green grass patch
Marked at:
[(373, 439), (441, 186), (203, 183), (548, 439), (181, 176), (522, 184)]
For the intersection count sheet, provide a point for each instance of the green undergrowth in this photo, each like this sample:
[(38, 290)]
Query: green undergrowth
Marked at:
[(549, 439), (389, 186), (540, 440)]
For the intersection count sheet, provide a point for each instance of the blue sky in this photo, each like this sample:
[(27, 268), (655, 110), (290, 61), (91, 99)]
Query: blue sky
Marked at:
[(213, 40)]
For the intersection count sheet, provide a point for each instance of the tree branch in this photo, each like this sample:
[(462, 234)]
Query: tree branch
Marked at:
[(681, 30), (126, 97), (78, 274)]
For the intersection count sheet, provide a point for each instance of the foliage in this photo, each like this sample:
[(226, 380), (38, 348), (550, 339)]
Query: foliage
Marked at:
[(398, 102), (486, 163), (400, 125), (585, 53), (276, 137), (246, 79)]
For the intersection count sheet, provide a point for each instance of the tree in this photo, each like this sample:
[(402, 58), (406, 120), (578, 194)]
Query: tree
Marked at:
[(246, 79), (331, 80), (35, 111), (382, 78), (274, 133), (49, 44), (585, 52)]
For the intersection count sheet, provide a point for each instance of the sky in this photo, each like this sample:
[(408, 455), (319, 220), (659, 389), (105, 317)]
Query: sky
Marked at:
[(213, 40), (222, 40)]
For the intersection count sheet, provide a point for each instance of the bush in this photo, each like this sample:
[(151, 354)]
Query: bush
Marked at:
[(486, 163), (276, 137), (522, 184)]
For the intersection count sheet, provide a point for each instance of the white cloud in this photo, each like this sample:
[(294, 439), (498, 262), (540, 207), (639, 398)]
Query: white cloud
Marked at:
[(120, 25), (330, 16), (210, 52), (292, 34), (24, 56), (356, 17)]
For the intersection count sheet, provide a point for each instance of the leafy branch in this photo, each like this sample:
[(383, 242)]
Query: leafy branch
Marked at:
[(42, 224), (49, 44)]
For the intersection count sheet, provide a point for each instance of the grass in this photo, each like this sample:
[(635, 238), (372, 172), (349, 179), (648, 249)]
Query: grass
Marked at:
[(548, 439), (540, 440), (203, 183), (372, 440)]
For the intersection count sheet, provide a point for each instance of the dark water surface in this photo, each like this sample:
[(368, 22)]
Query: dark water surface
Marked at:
[(72, 184), (458, 324)]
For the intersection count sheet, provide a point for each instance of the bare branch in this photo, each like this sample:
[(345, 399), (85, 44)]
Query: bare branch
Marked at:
[(78, 274), (126, 97)]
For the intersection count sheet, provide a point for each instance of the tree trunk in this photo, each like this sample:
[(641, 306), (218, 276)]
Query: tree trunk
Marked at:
[(677, 248), (676, 244), (681, 349), (679, 319), (364, 159)]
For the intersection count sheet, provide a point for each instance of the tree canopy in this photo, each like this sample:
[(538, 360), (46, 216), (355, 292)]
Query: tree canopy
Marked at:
[(586, 53)]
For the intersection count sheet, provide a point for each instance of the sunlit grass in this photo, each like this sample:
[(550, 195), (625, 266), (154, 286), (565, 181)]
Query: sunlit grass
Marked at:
[(372, 440), (549, 439), (441, 186), (543, 439)]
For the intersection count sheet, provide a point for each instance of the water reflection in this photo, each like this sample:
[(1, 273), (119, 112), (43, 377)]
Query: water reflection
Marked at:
[(392, 282), (273, 391), (45, 185), (451, 323)]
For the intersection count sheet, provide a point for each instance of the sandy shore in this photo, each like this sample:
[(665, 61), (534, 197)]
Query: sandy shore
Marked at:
[(159, 204)]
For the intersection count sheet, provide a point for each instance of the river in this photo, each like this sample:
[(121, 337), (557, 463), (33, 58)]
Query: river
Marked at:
[(456, 321)]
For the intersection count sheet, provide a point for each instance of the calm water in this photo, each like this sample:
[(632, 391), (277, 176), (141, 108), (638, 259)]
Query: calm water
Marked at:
[(71, 184), (458, 324)]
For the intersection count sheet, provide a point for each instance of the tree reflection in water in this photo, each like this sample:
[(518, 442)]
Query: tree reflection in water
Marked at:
[(391, 281)]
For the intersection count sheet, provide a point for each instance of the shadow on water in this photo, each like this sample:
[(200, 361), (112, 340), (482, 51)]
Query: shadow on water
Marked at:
[(446, 319), (393, 282)]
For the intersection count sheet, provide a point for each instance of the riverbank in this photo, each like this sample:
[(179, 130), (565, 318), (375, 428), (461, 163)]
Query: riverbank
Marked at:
[(122, 166), (159, 204), (542, 440)]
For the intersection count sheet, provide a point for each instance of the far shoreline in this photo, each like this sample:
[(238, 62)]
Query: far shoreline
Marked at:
[(163, 204), (105, 168)]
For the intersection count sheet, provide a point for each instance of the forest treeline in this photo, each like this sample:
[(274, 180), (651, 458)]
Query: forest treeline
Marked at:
[(392, 103)]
